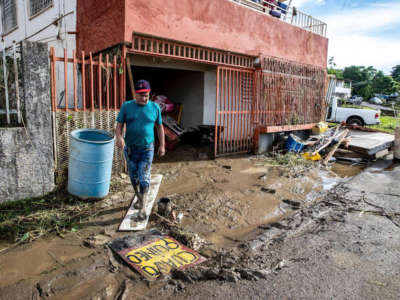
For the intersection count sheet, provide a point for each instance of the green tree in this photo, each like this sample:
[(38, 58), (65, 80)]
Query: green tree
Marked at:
[(396, 73), (332, 68), (361, 77), (383, 84)]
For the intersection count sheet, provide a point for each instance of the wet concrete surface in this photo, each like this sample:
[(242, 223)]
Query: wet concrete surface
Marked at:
[(344, 247), (268, 232)]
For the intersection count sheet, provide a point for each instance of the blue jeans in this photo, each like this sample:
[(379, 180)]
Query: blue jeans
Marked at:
[(139, 159)]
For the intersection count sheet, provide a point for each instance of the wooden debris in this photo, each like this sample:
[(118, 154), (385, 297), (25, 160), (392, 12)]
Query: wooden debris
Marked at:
[(370, 143), (381, 153), (343, 135)]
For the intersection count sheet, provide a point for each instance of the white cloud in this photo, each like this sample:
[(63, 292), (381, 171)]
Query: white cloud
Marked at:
[(352, 43), (300, 3), (362, 50), (363, 20)]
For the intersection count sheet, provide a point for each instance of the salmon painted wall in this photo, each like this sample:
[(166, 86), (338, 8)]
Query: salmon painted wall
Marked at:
[(216, 24), (224, 25), (100, 24)]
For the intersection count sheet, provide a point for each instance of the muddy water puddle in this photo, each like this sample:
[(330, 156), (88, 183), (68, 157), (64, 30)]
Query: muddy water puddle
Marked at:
[(39, 257), (226, 200), (345, 170)]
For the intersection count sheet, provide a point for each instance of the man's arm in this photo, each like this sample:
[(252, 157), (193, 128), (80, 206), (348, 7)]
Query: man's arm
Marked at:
[(161, 139), (118, 133)]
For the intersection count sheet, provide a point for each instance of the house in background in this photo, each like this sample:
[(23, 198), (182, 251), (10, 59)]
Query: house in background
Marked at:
[(47, 21), (343, 89)]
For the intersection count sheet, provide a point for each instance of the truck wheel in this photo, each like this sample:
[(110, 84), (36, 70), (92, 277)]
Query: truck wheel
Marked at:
[(355, 121)]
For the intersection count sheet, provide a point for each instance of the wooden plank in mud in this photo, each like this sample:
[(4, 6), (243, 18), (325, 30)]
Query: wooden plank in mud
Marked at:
[(130, 222)]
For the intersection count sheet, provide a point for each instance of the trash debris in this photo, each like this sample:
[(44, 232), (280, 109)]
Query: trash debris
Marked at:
[(268, 190), (319, 128), (294, 143), (341, 137), (164, 206), (97, 240), (227, 167), (262, 177), (370, 143), (293, 204), (179, 217)]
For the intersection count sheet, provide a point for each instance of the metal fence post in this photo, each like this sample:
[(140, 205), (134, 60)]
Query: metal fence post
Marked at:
[(16, 77), (5, 82)]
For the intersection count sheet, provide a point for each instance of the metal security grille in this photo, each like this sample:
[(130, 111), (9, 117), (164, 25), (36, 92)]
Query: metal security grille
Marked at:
[(96, 83), (9, 15), (11, 102), (91, 98), (289, 94), (165, 48), (233, 118), (36, 6), (64, 123)]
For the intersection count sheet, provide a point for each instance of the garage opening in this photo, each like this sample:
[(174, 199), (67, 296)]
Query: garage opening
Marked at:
[(186, 93)]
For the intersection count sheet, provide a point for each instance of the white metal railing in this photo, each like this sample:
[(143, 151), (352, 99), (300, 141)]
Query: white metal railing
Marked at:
[(287, 13), (9, 85)]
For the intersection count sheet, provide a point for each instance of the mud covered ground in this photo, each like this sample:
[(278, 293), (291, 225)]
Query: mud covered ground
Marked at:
[(267, 231)]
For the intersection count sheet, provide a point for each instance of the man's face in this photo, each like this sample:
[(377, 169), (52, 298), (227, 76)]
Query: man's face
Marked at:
[(142, 98)]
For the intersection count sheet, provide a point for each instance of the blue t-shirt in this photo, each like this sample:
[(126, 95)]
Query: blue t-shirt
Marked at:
[(139, 121)]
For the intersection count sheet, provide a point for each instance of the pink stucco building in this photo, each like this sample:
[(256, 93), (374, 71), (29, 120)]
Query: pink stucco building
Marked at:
[(230, 63)]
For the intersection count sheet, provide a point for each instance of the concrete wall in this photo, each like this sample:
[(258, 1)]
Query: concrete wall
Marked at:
[(265, 142), (212, 23), (210, 95), (26, 156), (100, 24), (187, 87), (55, 35)]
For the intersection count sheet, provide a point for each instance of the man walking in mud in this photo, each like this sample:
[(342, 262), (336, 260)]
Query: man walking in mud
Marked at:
[(140, 116)]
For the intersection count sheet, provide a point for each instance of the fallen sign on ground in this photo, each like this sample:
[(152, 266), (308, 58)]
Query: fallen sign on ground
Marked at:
[(153, 255)]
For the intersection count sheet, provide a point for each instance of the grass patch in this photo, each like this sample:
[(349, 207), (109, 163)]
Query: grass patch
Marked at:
[(28, 219), (388, 124), (288, 159)]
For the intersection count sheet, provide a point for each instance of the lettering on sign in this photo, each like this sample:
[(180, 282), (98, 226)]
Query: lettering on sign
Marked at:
[(160, 256)]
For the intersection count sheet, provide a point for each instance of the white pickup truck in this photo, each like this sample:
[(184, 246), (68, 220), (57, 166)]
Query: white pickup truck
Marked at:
[(357, 116)]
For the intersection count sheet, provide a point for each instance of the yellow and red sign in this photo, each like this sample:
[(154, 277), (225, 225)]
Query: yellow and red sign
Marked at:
[(160, 256)]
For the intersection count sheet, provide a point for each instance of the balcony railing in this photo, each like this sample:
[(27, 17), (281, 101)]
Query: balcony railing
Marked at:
[(285, 13)]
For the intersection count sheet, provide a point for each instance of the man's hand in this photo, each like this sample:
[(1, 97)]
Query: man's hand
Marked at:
[(120, 142), (161, 151), (118, 135)]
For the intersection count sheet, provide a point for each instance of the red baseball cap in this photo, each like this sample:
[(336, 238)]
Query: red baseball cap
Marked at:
[(142, 86)]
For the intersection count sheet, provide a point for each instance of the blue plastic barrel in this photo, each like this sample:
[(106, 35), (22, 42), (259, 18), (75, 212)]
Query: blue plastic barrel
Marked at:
[(293, 144), (90, 163)]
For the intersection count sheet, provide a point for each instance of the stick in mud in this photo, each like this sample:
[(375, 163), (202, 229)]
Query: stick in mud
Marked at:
[(328, 157)]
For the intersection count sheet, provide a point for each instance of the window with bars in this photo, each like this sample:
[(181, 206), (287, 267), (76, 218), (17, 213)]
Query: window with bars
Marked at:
[(8, 15), (37, 6)]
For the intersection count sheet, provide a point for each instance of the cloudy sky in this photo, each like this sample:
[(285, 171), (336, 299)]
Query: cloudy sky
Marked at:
[(360, 32)]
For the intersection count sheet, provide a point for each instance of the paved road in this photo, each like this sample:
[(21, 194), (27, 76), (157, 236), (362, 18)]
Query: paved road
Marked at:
[(346, 247), (375, 106)]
